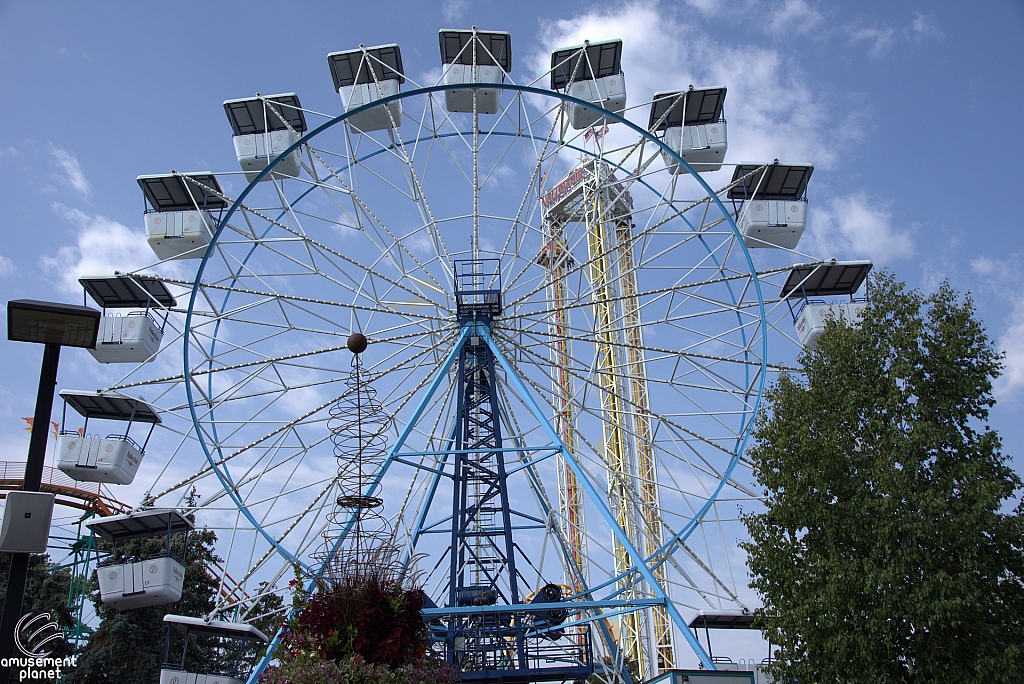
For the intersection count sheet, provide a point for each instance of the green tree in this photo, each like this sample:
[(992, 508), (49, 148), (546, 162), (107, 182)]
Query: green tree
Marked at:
[(128, 646), (884, 554)]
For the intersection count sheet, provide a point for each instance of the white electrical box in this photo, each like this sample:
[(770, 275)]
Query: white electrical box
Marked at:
[(134, 338), (26, 526)]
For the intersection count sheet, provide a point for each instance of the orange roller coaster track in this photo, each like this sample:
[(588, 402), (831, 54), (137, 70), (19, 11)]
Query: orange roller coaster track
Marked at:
[(86, 496)]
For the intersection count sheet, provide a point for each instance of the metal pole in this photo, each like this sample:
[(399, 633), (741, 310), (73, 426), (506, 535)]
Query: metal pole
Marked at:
[(33, 478)]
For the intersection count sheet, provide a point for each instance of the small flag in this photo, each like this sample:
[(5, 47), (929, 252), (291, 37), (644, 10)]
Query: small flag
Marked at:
[(543, 177), (589, 134), (601, 133), (31, 424)]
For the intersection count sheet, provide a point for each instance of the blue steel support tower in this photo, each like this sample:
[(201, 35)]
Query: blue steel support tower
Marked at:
[(492, 646)]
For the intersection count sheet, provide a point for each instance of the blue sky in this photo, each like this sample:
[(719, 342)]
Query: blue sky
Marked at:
[(910, 112)]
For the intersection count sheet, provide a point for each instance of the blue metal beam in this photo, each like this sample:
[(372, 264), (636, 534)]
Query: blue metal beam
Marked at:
[(599, 503)]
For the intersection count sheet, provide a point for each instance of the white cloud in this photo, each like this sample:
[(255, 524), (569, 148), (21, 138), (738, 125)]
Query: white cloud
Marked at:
[(708, 7), (924, 26), (452, 10), (102, 246), (772, 112), (794, 17), (1011, 382), (73, 175), (6, 267), (991, 268), (10, 152), (856, 225), (879, 39)]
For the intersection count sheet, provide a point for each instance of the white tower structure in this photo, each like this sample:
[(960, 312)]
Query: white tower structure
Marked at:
[(591, 194)]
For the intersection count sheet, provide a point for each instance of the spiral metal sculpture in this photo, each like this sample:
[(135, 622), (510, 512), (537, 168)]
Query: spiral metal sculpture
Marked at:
[(358, 541)]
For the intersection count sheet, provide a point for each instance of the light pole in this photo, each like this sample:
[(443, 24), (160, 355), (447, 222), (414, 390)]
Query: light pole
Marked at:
[(54, 325)]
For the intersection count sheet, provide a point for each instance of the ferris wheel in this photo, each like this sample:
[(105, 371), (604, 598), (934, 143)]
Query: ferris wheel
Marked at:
[(565, 328)]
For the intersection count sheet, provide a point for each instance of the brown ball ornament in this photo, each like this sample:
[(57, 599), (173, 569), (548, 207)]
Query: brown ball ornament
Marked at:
[(357, 343)]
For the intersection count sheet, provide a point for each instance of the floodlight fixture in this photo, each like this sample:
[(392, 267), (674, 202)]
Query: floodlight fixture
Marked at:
[(67, 325)]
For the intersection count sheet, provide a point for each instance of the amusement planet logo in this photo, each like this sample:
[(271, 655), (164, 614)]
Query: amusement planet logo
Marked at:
[(30, 637)]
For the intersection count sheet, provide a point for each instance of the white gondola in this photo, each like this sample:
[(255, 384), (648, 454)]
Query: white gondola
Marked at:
[(809, 283), (591, 72), (179, 219), (492, 52), (264, 127), (772, 209), (135, 337), (233, 665), (113, 459), (154, 581), (366, 75), (727, 670), (694, 127)]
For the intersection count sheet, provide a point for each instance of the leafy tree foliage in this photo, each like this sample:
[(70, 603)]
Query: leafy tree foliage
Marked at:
[(885, 554)]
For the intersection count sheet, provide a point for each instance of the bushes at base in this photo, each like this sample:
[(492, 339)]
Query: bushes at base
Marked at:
[(364, 629)]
